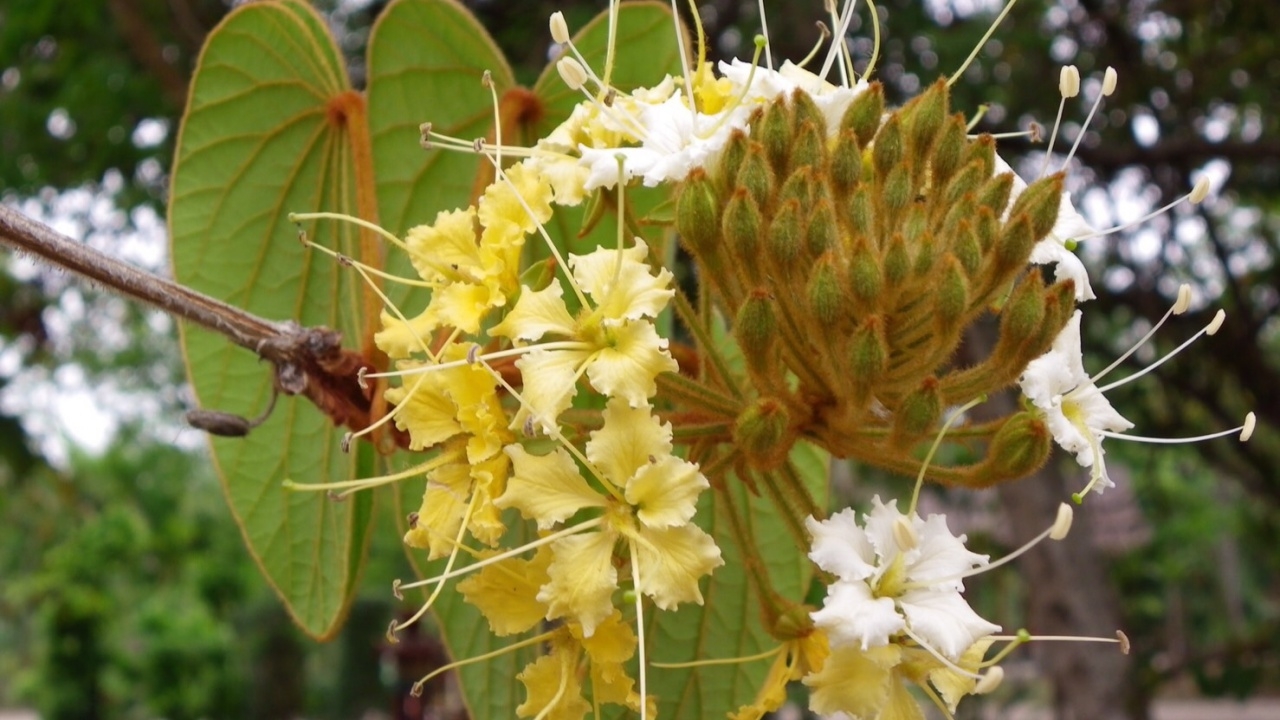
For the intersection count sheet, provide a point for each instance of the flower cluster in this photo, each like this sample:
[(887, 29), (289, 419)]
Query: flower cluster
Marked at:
[(843, 249)]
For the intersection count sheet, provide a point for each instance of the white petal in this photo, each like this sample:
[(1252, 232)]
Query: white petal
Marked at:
[(840, 546), (942, 555), (851, 615), (944, 620), (879, 523)]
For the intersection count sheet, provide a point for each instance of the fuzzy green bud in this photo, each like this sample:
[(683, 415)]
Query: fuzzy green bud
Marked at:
[(1023, 314), (697, 212), (897, 192), (741, 225), (1013, 247), (1020, 447), (755, 175), (864, 113), (809, 148), (951, 299), (868, 351), (861, 216), (1040, 201), (928, 113), (799, 186), (965, 246), (763, 432), (965, 183), (756, 327), (897, 261), (995, 192), (775, 135), (948, 151), (983, 150), (919, 410), (888, 150), (823, 232), (826, 299), (735, 151), (539, 275), (805, 110), (785, 238), (846, 163), (866, 276)]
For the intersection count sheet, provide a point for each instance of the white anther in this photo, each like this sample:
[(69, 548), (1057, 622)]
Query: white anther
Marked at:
[(1124, 641), (1249, 423), (1216, 322), (905, 534), (1109, 82), (425, 135), (1200, 191), (1184, 299), (1062, 523), (1069, 81), (574, 75), (486, 80), (473, 354), (559, 28), (990, 681)]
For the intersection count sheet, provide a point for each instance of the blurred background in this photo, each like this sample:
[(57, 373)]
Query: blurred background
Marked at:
[(125, 591)]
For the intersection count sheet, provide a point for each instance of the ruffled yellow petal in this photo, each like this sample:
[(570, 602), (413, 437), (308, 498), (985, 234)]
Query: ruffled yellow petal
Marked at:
[(628, 367), (628, 440), (853, 681), (444, 503), (546, 488), (900, 705), (427, 414), (447, 243), (501, 203), (463, 305), (550, 382), (625, 290), (672, 560), (613, 641), (489, 483), (665, 493), (535, 314), (506, 593), (399, 339), (953, 686), (552, 688), (583, 579)]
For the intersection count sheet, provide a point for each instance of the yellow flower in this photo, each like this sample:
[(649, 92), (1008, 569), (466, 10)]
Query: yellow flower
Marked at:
[(612, 342), (649, 498)]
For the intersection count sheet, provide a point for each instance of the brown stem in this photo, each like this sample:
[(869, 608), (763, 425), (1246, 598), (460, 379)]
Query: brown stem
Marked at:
[(308, 361)]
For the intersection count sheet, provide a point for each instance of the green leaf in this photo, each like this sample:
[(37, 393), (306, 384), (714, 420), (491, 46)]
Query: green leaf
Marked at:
[(263, 135)]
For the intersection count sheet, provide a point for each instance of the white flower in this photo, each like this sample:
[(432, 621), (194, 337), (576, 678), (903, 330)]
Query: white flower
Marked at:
[(1074, 408), (1052, 248), (673, 140), (884, 589)]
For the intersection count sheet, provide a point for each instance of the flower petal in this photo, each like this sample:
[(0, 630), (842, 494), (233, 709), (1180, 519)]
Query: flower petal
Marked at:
[(665, 493), (546, 488), (852, 616), (583, 579), (535, 314), (628, 369), (944, 620), (629, 439), (840, 546), (671, 562), (853, 681)]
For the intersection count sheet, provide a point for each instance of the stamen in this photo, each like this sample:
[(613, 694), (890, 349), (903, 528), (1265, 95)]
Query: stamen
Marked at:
[(1061, 523), (1196, 195), (351, 486), (1108, 87), (837, 44), (635, 580), (824, 32), (611, 48), (1245, 430), (875, 34), (978, 114), (904, 534), (572, 72), (448, 566), (764, 30), (1068, 87), (950, 665), (720, 661), (1179, 306), (990, 31), (559, 28), (427, 368), (990, 681), (416, 690), (1209, 329), (685, 70), (1056, 531)]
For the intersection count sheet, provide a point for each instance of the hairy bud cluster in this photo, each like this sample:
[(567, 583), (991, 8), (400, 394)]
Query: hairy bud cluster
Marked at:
[(852, 259)]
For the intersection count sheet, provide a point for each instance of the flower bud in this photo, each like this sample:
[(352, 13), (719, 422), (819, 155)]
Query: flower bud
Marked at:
[(864, 114), (755, 175), (1109, 82), (697, 212), (1200, 191), (897, 261), (763, 432), (888, 150), (868, 351), (775, 135), (826, 299), (823, 233), (1023, 314), (756, 325), (784, 241), (740, 225), (808, 149), (918, 411), (846, 163), (735, 151), (866, 278), (1040, 201), (948, 151), (951, 299), (928, 113), (1020, 447)]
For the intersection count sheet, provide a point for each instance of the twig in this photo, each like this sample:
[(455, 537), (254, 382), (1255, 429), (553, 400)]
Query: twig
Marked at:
[(308, 361)]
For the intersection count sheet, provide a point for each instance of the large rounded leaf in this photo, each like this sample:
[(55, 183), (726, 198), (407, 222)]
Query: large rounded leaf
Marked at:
[(265, 133)]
